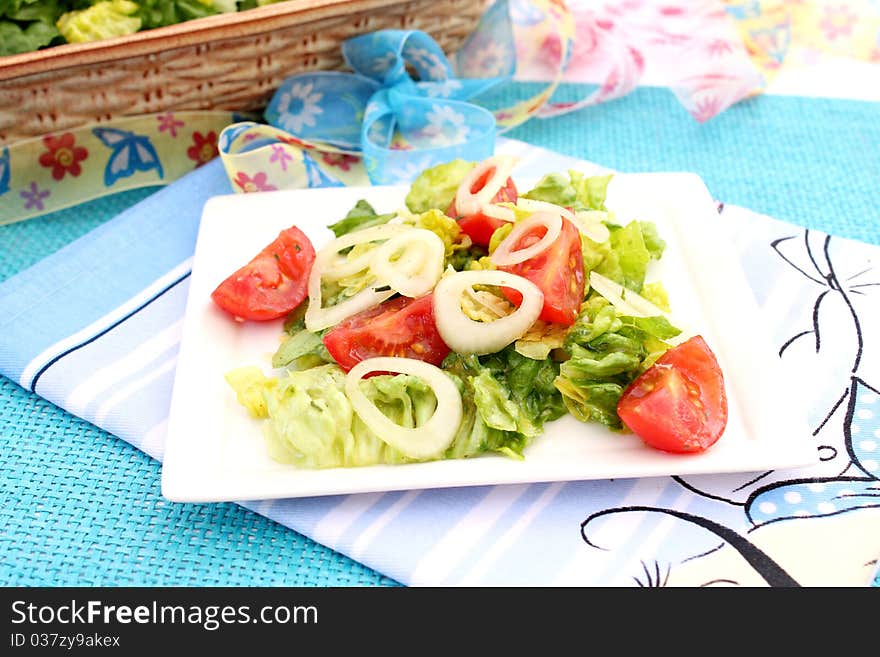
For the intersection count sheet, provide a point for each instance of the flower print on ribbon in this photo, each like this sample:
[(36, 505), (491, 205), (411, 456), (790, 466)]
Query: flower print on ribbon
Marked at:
[(493, 59), (203, 149), (719, 48), (838, 22), (259, 183), (379, 114), (444, 89), (279, 155), (445, 126), (34, 197), (428, 64), (62, 155), (168, 122), (409, 171), (383, 63), (340, 160), (299, 106)]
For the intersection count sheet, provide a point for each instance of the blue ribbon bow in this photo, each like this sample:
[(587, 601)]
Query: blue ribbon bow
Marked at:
[(399, 125)]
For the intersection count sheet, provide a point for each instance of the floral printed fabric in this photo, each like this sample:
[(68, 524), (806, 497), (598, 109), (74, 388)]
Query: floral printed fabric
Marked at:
[(690, 46), (62, 169), (789, 33), (398, 124), (710, 53), (380, 125), (390, 124)]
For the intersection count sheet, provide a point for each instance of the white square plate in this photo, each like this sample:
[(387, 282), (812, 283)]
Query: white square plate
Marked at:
[(215, 451)]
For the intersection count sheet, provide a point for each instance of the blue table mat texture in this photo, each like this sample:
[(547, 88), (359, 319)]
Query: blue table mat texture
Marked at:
[(82, 508)]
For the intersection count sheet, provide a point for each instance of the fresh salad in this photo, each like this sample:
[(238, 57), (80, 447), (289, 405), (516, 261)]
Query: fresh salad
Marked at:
[(464, 321), (27, 25)]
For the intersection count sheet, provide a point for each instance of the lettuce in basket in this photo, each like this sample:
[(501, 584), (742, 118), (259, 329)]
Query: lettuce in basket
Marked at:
[(103, 20), (157, 13), (27, 25)]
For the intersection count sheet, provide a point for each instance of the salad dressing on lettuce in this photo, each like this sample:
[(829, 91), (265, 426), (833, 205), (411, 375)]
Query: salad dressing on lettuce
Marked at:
[(582, 367)]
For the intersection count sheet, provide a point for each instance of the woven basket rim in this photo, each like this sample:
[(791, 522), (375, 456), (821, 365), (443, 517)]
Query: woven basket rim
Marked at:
[(258, 20)]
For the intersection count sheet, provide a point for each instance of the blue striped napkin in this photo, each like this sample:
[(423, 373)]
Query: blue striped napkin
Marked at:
[(95, 329)]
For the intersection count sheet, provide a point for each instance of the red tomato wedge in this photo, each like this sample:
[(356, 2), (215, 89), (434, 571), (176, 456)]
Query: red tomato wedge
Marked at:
[(479, 227), (558, 272), (272, 284), (399, 327), (679, 404)]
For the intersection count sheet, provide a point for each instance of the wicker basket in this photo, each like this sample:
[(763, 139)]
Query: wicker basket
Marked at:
[(230, 61)]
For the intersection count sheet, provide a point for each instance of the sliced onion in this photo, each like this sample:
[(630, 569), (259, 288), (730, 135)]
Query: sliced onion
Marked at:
[(337, 267), (419, 267), (626, 301), (466, 336), (426, 441), (590, 223), (317, 317), (498, 212), (468, 202), (505, 254), (532, 205)]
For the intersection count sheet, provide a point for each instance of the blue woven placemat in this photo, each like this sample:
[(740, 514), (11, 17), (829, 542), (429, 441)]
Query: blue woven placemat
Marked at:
[(80, 507), (809, 161)]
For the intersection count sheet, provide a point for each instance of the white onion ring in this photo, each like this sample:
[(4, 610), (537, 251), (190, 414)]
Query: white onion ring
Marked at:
[(418, 269), (317, 317), (505, 255), (532, 205), (466, 336), (342, 267), (626, 301), (427, 441), (467, 202), (498, 212)]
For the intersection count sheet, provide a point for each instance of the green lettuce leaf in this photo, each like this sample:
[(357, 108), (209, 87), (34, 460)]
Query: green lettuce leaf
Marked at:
[(103, 20), (631, 256), (590, 190), (457, 244), (510, 393), (554, 188), (301, 350), (157, 13), (15, 39), (361, 216), (223, 6), (435, 187), (574, 190), (625, 257), (606, 353), (653, 242), (45, 11), (309, 420), (250, 386)]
